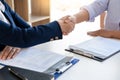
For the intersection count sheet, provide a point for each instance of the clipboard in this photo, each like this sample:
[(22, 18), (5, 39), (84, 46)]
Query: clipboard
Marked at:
[(56, 70), (97, 48), (59, 68)]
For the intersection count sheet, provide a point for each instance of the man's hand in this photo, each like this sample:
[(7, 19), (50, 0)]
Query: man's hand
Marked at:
[(9, 52), (101, 32), (66, 24)]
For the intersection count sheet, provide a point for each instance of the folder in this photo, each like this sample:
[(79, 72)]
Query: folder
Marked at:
[(5, 74), (97, 48)]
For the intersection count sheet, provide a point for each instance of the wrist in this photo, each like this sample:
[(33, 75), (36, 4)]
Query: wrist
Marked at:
[(115, 34)]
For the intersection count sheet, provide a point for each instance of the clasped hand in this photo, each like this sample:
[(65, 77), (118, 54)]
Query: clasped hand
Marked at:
[(67, 24)]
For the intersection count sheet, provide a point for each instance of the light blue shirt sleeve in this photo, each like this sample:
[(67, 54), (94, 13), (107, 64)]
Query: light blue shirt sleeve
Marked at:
[(96, 8)]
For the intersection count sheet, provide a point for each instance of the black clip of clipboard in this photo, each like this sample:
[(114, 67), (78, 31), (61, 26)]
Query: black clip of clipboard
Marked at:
[(85, 54)]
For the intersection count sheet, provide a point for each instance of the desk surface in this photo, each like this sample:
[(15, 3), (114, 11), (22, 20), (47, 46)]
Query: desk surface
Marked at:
[(86, 69)]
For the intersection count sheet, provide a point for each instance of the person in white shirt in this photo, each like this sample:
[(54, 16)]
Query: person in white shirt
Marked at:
[(112, 18)]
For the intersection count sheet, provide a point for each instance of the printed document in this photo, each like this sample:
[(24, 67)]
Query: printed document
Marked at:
[(34, 59)]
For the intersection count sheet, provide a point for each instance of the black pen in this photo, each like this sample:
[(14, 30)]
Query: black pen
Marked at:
[(21, 77)]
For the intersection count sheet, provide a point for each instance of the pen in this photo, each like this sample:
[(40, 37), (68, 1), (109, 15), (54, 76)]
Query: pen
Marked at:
[(21, 77)]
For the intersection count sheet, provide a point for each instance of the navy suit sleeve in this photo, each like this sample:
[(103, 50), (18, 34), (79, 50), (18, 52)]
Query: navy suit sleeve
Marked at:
[(15, 35), (19, 37), (19, 21)]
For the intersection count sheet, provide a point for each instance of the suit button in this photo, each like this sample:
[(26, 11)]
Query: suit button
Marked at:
[(56, 38), (51, 39)]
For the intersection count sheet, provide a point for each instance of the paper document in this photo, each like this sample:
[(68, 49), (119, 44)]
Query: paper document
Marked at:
[(34, 59), (98, 46)]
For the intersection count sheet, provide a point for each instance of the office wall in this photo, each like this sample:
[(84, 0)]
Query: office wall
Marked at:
[(60, 8)]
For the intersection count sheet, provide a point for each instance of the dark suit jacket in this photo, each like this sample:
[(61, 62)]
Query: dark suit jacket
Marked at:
[(20, 34)]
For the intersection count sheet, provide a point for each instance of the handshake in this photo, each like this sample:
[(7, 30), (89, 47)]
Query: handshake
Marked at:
[(67, 24)]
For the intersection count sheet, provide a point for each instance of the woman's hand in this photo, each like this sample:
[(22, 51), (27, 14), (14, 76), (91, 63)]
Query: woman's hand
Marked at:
[(9, 52), (101, 32)]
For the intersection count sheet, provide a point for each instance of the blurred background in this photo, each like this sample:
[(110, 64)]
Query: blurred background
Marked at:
[(60, 8)]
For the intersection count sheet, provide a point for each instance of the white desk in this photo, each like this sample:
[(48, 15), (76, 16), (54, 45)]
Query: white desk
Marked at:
[(86, 69)]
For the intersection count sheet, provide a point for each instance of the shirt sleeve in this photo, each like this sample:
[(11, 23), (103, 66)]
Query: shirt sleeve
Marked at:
[(96, 8)]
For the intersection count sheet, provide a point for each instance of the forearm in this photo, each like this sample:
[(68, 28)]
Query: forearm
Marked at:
[(115, 34), (28, 37), (81, 16)]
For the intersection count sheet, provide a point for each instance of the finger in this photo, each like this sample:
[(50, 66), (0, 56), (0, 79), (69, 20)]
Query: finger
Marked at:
[(73, 19), (16, 53), (67, 21), (11, 53), (71, 25), (65, 17), (5, 52), (65, 33)]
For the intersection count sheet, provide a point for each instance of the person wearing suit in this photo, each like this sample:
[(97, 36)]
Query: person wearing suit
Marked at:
[(15, 32)]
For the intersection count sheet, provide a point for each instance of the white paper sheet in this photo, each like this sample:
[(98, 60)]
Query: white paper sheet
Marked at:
[(99, 45), (34, 59)]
